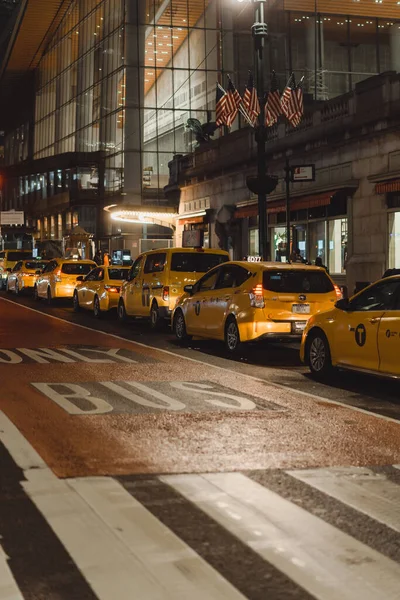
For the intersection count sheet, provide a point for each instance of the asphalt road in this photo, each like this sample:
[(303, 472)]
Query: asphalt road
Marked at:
[(133, 468)]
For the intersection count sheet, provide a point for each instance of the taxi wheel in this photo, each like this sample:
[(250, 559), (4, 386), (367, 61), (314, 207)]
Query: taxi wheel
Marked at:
[(7, 288), (155, 320), (49, 297), (16, 288), (179, 328), (319, 355), (75, 302), (35, 294), (121, 312), (232, 336), (96, 308)]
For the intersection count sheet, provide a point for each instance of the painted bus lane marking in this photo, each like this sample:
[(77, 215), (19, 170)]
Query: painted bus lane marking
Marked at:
[(132, 397)]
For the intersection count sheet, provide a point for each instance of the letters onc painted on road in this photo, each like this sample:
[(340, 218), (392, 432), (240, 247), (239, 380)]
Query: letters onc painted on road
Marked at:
[(101, 398), (67, 354)]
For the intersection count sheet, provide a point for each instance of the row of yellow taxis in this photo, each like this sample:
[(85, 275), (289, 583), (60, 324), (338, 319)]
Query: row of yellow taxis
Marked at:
[(204, 294)]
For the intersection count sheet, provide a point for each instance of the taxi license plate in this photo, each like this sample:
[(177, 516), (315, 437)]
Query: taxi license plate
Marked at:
[(301, 309)]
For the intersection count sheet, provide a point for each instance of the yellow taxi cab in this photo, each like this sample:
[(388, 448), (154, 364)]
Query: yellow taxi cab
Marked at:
[(58, 279), (24, 275), (242, 302), (157, 279), (99, 291), (8, 260), (361, 334)]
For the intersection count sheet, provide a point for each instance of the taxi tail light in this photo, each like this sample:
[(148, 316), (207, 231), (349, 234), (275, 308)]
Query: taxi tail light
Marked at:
[(338, 292), (112, 288), (58, 275), (165, 293), (257, 296)]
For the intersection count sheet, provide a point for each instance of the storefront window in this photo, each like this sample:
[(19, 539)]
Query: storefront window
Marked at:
[(278, 242), (394, 240), (253, 242), (337, 245), (317, 236)]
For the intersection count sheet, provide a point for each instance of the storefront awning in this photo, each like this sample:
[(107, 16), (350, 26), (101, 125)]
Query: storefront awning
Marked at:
[(191, 221), (299, 203), (388, 186)]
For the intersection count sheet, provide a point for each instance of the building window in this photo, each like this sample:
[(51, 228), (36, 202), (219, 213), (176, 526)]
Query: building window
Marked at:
[(394, 240), (254, 247), (337, 232)]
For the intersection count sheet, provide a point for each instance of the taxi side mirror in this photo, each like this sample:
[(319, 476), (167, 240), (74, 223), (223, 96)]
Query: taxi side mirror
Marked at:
[(343, 304), (188, 289), (80, 278)]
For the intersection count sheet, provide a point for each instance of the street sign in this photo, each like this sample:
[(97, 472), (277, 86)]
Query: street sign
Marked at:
[(302, 173), (193, 238), (12, 217)]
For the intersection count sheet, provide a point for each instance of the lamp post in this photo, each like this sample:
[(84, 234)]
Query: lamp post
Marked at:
[(263, 184)]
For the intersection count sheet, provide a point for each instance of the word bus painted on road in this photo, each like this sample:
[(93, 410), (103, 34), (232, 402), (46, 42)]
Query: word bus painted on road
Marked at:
[(101, 398)]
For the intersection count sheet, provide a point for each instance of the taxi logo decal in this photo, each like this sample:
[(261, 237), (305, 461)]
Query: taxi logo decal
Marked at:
[(361, 335)]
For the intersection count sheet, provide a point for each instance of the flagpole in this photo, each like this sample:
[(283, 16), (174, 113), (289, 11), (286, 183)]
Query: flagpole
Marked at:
[(287, 181)]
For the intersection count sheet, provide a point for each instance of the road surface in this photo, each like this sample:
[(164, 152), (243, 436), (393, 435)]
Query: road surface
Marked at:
[(132, 468)]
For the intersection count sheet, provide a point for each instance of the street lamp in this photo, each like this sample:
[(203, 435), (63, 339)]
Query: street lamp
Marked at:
[(263, 184)]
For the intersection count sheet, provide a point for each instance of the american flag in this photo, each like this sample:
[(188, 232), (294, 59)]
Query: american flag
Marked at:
[(233, 102), (220, 106), (292, 103), (273, 105), (250, 100)]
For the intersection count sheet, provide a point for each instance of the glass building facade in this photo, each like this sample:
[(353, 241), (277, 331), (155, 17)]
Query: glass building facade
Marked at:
[(122, 78)]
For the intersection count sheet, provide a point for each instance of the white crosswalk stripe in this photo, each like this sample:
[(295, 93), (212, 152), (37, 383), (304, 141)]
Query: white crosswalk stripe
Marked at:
[(123, 550), (8, 587), (368, 492), (326, 562)]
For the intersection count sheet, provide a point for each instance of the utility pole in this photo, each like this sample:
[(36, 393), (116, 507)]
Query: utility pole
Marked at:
[(287, 181)]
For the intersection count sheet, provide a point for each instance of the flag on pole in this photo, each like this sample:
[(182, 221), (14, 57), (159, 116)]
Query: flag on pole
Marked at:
[(298, 102), (273, 106), (250, 100), (233, 102), (292, 103), (220, 106)]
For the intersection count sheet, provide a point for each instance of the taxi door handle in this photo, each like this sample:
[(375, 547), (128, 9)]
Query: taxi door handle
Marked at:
[(374, 320)]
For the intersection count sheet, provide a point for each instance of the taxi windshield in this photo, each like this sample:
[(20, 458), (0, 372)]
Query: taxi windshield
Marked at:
[(76, 268), (118, 274), (15, 256), (193, 262), (296, 281)]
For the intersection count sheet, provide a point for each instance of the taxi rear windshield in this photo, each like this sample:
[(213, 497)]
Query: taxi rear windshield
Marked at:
[(76, 269), (35, 266), (118, 274), (297, 281), (16, 256), (190, 262)]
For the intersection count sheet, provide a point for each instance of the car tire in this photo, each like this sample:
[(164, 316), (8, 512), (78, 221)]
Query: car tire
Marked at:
[(35, 294), (16, 288), (232, 336), (75, 302), (49, 297), (121, 312), (7, 288), (318, 354), (179, 328), (155, 320), (96, 307)]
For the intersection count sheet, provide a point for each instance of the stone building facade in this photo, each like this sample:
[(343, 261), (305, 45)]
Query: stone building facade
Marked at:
[(349, 215)]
